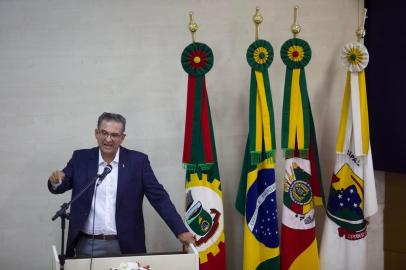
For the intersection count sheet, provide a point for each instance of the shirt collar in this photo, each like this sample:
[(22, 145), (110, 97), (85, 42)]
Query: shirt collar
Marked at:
[(115, 160)]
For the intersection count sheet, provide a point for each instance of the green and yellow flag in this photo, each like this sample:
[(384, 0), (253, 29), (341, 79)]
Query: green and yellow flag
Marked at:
[(256, 198)]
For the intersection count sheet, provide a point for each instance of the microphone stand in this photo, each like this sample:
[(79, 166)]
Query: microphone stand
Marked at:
[(64, 215)]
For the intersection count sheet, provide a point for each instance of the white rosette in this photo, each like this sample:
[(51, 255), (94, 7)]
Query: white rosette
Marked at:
[(355, 56)]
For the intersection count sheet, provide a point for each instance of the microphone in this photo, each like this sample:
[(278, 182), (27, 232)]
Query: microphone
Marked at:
[(103, 175)]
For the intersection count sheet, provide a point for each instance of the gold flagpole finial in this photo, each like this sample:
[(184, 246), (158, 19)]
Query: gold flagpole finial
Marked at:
[(295, 28), (192, 26), (257, 18), (361, 29)]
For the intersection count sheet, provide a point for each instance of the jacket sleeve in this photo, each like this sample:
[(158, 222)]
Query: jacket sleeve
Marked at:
[(160, 200), (66, 183)]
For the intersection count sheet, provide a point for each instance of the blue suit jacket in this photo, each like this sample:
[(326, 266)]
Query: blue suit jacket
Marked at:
[(135, 179)]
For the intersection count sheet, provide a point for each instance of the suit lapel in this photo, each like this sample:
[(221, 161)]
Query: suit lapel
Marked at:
[(123, 171)]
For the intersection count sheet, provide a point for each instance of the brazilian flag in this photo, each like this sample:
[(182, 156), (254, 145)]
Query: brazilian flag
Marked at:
[(256, 198)]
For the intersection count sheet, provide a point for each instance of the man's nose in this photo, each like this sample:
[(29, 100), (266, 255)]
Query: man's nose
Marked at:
[(109, 138)]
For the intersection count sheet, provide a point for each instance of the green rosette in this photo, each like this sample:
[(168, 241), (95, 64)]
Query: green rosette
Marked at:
[(296, 53), (260, 55), (197, 59)]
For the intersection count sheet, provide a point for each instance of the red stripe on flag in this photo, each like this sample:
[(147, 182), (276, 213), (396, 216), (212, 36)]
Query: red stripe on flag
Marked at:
[(297, 208), (293, 243), (208, 151), (217, 262), (191, 86), (334, 179), (315, 176)]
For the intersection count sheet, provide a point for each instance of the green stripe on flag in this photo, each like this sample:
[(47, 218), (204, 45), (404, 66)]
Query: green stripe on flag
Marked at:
[(273, 263), (286, 109), (306, 113), (197, 153), (255, 155), (241, 193), (271, 113)]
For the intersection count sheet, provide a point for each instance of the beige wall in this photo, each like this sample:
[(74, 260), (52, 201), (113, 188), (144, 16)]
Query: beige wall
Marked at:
[(62, 63)]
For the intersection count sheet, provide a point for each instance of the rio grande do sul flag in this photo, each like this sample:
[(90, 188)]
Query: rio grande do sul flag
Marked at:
[(302, 187), (352, 196), (204, 203), (256, 197)]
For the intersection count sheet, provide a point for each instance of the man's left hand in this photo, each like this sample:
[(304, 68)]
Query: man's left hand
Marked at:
[(186, 238)]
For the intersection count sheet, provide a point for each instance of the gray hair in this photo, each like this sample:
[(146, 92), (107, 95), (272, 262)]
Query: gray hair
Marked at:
[(111, 117)]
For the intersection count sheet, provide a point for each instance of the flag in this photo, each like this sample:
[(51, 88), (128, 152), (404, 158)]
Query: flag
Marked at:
[(256, 197), (203, 203), (302, 185), (352, 196)]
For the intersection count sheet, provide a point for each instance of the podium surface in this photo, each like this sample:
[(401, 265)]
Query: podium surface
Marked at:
[(162, 261)]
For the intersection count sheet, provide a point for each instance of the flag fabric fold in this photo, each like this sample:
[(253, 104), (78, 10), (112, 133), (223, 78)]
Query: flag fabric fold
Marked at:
[(197, 60), (261, 118), (352, 197), (204, 215), (296, 54), (302, 185), (356, 58), (256, 197)]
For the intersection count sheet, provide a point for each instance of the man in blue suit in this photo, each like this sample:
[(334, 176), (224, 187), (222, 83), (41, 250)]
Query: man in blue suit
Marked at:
[(110, 221)]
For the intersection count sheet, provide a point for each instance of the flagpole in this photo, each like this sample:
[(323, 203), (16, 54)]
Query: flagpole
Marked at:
[(257, 18), (295, 28), (361, 29), (193, 27)]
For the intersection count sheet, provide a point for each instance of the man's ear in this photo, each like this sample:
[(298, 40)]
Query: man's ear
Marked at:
[(95, 131)]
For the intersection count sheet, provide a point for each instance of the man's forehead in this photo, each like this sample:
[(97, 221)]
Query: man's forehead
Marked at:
[(111, 125)]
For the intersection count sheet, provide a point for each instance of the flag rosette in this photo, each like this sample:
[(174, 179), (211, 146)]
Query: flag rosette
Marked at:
[(355, 57), (197, 59), (260, 55), (296, 53), (261, 117)]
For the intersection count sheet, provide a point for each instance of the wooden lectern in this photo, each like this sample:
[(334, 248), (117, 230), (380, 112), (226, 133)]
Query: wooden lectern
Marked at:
[(161, 261)]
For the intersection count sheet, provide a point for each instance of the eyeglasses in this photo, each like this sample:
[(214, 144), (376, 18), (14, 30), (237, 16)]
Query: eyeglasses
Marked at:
[(114, 136)]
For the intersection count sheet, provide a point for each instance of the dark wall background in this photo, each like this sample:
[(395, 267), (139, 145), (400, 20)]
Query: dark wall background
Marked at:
[(386, 83)]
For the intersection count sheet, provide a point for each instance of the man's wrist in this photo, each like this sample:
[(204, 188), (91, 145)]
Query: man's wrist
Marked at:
[(54, 185)]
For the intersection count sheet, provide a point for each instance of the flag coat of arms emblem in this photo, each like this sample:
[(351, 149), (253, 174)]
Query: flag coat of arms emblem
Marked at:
[(203, 205), (352, 192), (302, 186)]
